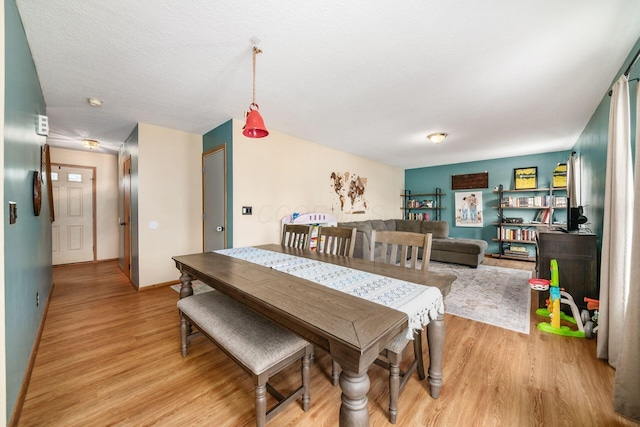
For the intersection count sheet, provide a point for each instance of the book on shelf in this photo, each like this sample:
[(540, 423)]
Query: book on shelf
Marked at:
[(526, 202), (560, 202), (527, 235), (537, 219), (516, 254)]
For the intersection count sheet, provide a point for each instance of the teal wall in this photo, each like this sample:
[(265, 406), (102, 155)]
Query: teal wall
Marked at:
[(592, 146), (426, 180), (27, 243), (223, 134)]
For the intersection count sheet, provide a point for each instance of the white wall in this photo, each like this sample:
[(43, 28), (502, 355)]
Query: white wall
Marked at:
[(169, 200), (106, 195), (281, 174)]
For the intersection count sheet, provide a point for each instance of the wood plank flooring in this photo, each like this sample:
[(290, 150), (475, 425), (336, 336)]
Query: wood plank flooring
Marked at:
[(111, 356)]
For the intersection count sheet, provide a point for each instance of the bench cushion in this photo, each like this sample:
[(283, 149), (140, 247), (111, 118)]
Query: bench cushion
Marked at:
[(252, 339)]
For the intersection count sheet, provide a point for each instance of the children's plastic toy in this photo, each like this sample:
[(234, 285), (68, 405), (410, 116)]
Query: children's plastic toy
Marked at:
[(557, 297), (590, 322)]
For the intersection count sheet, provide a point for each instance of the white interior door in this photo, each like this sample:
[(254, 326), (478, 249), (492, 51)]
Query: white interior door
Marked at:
[(214, 189), (72, 231)]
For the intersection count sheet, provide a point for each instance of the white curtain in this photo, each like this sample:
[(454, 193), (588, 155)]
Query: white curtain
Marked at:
[(572, 192), (626, 398), (617, 226)]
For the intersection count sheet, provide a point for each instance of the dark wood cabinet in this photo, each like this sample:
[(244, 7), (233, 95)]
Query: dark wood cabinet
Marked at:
[(576, 254)]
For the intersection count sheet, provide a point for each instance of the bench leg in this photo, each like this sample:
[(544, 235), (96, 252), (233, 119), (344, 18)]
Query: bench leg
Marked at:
[(261, 405), (184, 335), (306, 383)]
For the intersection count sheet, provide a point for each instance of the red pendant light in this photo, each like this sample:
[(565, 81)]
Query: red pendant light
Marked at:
[(254, 126)]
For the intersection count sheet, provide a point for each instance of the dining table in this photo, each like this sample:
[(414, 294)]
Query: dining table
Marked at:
[(353, 330)]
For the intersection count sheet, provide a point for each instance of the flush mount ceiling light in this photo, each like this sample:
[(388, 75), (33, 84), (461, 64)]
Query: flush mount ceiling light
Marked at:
[(94, 102), (90, 143), (437, 137), (254, 126)]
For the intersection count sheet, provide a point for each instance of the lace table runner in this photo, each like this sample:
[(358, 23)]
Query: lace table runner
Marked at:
[(420, 303)]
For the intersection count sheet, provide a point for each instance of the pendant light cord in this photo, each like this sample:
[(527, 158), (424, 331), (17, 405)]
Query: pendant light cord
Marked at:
[(255, 52)]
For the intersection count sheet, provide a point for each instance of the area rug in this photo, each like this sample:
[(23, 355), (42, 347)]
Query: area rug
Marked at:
[(198, 287), (493, 295)]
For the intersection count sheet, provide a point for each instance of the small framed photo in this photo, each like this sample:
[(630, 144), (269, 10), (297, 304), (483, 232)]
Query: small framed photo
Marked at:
[(525, 178)]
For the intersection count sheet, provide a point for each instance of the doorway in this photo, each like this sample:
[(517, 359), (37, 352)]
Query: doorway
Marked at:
[(214, 189), (73, 233), (125, 221)]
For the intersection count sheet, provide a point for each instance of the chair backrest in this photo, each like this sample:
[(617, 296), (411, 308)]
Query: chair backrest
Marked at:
[(297, 235), (336, 240), (401, 248)]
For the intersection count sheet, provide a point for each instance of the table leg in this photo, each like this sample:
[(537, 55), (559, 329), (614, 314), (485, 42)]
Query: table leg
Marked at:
[(435, 340), (186, 289), (354, 411)]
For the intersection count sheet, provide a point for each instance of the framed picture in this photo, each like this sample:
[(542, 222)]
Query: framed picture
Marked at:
[(560, 176), (469, 209), (525, 178)]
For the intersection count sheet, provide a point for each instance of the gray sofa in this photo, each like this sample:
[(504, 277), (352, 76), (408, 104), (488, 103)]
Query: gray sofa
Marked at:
[(444, 248)]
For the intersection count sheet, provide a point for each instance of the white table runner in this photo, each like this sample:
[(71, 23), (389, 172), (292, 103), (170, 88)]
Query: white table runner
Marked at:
[(420, 303)]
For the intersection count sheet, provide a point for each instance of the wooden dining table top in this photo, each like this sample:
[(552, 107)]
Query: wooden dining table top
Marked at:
[(353, 330)]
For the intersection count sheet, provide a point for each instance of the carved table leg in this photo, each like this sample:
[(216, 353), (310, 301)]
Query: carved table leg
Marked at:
[(435, 340), (186, 289), (354, 411)]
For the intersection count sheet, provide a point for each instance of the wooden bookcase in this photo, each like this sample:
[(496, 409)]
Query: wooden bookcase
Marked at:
[(535, 208)]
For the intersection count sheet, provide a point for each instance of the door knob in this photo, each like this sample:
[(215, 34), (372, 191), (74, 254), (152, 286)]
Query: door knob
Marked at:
[(219, 228)]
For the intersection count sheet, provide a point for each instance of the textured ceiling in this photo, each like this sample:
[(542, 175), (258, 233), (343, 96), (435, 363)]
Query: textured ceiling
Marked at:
[(372, 78)]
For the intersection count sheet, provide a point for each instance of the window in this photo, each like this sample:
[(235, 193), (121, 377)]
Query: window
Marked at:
[(74, 177)]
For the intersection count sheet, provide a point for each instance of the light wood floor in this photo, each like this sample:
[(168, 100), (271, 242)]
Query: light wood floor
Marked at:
[(110, 356)]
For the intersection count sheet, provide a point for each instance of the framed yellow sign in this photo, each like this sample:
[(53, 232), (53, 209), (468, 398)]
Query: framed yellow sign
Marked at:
[(525, 178), (560, 176)]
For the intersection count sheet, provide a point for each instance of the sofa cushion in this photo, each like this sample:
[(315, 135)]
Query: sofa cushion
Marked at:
[(438, 229), (469, 246), (408, 225), (363, 237), (380, 224)]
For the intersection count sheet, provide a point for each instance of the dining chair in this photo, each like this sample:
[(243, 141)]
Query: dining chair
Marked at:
[(336, 240), (297, 235), (401, 248)]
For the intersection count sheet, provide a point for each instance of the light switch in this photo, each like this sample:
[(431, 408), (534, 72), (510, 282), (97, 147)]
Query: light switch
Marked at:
[(246, 210)]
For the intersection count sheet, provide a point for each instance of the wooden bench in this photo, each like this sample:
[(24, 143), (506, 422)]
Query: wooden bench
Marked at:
[(258, 345)]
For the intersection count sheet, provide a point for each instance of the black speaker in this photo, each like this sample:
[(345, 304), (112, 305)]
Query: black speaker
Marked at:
[(576, 218)]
